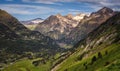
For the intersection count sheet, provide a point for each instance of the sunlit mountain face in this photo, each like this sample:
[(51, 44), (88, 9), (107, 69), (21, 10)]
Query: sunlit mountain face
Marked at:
[(59, 35)]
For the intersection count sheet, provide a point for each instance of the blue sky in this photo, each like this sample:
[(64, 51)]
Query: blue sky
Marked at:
[(30, 9)]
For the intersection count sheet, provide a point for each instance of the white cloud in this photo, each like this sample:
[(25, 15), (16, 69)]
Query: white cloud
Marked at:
[(97, 4), (101, 3), (40, 1), (9, 0), (27, 9), (53, 1), (109, 4), (74, 11), (47, 1)]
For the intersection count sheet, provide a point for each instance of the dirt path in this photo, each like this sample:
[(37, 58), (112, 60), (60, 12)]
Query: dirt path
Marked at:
[(57, 66)]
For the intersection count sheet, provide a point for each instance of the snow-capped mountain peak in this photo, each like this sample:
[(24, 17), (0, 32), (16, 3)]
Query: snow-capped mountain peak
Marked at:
[(58, 26), (33, 21), (79, 17), (37, 20)]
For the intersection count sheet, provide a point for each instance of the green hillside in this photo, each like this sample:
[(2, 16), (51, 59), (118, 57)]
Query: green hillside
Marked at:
[(110, 59), (98, 52), (26, 65), (19, 46), (31, 27)]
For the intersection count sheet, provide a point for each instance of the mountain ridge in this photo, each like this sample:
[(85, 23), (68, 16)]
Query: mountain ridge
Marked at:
[(87, 24), (98, 51), (18, 42), (32, 21), (57, 26)]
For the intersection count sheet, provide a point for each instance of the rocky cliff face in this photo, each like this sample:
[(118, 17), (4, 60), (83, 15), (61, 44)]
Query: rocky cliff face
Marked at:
[(58, 26), (98, 51), (88, 24)]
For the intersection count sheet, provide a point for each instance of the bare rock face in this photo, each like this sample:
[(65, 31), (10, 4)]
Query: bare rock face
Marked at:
[(88, 24), (70, 29), (58, 26)]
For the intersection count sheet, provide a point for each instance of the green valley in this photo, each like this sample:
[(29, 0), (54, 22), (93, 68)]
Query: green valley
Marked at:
[(39, 36)]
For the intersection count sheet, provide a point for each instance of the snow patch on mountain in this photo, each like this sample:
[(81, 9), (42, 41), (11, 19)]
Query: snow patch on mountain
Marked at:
[(32, 22)]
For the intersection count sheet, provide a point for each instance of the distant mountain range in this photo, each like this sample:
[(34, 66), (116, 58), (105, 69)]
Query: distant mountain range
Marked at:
[(32, 21), (31, 24), (70, 29), (58, 26), (88, 24)]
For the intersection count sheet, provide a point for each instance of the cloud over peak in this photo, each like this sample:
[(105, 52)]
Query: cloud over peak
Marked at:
[(27, 9), (108, 3), (45, 8), (47, 1)]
